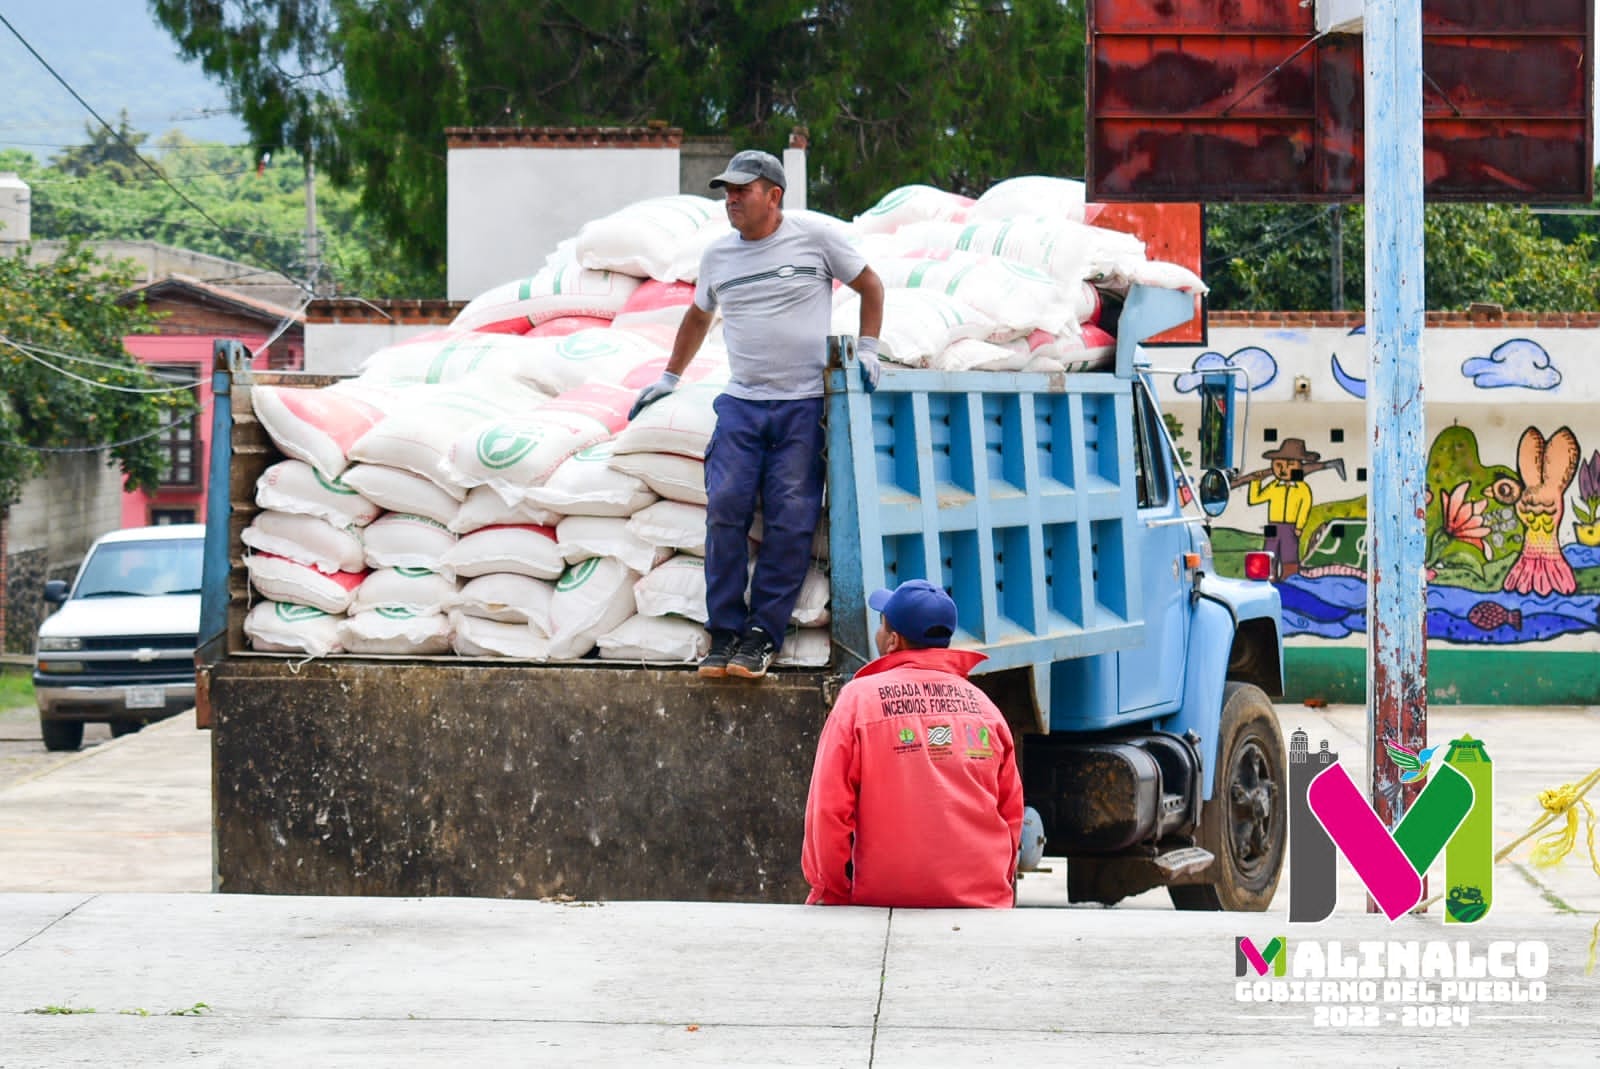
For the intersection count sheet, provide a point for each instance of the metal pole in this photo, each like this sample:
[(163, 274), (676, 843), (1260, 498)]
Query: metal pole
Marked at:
[(1396, 517), (313, 256), (1336, 256)]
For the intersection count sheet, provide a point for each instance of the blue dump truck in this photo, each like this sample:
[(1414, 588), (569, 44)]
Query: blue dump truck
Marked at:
[(1054, 509)]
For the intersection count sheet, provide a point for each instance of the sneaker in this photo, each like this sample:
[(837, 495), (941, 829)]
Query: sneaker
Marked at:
[(724, 644), (754, 656)]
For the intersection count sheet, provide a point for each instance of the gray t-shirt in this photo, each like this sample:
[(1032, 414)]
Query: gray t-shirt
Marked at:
[(776, 296)]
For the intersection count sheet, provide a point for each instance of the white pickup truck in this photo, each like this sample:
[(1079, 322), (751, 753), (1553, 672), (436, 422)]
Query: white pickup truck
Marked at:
[(120, 647)]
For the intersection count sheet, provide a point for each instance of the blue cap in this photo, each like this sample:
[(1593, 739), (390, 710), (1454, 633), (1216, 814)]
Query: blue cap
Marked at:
[(920, 611)]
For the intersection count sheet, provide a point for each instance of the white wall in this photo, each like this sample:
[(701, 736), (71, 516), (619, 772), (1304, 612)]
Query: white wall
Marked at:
[(340, 348), (77, 499), (510, 206)]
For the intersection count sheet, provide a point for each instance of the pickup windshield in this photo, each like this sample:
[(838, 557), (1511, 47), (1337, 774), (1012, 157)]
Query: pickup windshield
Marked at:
[(142, 569)]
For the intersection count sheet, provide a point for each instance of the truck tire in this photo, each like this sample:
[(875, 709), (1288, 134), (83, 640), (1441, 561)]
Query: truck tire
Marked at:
[(1246, 822), (61, 734)]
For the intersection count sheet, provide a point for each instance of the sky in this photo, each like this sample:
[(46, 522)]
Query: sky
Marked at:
[(117, 57)]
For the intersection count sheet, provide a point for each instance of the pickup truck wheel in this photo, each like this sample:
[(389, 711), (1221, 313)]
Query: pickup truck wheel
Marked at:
[(120, 728), (1246, 821), (61, 734)]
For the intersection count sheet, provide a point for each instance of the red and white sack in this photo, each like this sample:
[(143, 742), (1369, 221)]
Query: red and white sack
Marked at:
[(811, 610), (677, 478), (680, 423), (515, 452), (1031, 195), (474, 636), (284, 627), (586, 485), (658, 238), (453, 356), (419, 435), (656, 302), (306, 539), (521, 550), (560, 289), (917, 324), (1061, 248), (672, 525), (1017, 298), (484, 508), (414, 590), (973, 354), (912, 204), (591, 598), (508, 599), (604, 403), (395, 631), (281, 579), (1091, 349), (561, 326), (405, 540), (604, 356), (809, 647), (655, 640), (295, 486), (674, 588), (404, 491), (582, 537), (320, 425)]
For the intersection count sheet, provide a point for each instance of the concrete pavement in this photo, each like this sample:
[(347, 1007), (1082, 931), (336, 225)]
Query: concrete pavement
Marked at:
[(416, 982)]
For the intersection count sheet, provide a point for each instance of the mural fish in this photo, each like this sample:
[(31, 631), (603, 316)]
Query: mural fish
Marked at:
[(1489, 615)]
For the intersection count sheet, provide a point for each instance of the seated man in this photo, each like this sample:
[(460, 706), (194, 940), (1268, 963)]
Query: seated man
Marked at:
[(915, 798)]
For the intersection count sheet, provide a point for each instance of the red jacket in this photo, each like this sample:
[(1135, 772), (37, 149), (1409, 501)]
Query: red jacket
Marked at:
[(917, 765)]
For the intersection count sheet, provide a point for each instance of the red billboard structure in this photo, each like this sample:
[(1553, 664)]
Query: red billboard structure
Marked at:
[(1243, 100)]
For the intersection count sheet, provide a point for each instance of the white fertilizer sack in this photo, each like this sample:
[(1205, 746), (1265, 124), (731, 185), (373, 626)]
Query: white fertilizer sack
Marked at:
[(395, 631), (296, 486), (306, 539), (281, 579), (283, 627), (591, 598), (404, 491), (509, 599), (655, 640)]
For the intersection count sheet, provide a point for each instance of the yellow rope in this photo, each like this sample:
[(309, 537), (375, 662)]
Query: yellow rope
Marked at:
[(1554, 846)]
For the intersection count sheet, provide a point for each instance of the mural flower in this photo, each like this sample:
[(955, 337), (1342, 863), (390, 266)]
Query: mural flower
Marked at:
[(1586, 509), (1463, 520)]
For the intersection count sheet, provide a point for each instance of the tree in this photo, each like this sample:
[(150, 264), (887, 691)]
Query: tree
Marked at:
[(66, 381), (111, 154), (893, 91), (1279, 257)]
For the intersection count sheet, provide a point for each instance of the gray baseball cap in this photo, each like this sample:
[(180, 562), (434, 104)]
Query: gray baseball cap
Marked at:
[(749, 165)]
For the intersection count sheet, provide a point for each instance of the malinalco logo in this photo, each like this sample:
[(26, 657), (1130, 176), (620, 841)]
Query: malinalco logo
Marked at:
[(1452, 815), (504, 444), (1249, 958)]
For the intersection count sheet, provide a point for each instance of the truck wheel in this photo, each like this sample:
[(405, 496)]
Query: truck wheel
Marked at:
[(1246, 821), (61, 734), (120, 728)]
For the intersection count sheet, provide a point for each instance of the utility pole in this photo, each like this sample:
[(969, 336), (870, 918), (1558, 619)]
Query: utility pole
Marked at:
[(1337, 253), (313, 260)]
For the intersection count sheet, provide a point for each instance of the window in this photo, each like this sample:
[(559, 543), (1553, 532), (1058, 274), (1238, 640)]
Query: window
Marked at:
[(181, 441), (167, 517), (1149, 455)]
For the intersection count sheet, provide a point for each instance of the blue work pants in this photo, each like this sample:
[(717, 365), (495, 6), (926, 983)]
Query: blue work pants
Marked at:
[(766, 452)]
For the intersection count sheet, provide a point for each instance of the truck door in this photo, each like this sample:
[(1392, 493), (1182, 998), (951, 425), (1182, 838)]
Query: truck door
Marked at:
[(1152, 675)]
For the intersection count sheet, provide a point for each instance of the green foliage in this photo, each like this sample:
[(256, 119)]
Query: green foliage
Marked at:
[(112, 155), (892, 91), (16, 688), (94, 193), (65, 313), (1280, 257)]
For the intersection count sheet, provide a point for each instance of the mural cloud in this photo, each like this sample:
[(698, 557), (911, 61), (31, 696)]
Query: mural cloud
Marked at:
[(1258, 364), (1518, 362)]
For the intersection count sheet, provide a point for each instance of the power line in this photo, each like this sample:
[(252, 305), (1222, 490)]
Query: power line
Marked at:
[(167, 426), (116, 133), (30, 354)]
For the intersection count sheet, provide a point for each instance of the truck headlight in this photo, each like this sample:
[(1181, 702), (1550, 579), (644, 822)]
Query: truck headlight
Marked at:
[(59, 667), (54, 644)]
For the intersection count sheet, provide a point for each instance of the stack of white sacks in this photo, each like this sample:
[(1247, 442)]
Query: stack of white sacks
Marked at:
[(479, 490)]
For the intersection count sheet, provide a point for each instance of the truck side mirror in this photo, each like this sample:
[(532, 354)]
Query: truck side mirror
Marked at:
[(1216, 422), (1213, 492), (55, 591)]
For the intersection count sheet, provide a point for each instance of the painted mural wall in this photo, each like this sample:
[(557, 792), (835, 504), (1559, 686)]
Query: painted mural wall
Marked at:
[(1513, 496)]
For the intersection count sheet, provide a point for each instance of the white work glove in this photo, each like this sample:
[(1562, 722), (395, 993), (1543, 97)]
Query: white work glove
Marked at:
[(653, 393), (867, 353)]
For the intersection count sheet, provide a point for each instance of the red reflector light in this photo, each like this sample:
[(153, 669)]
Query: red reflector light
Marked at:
[(1260, 566)]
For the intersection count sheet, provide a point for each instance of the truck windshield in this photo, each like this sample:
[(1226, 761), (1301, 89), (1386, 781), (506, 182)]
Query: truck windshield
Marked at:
[(142, 569)]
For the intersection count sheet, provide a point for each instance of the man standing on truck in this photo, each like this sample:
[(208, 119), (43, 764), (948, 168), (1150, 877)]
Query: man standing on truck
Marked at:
[(915, 799), (773, 280)]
